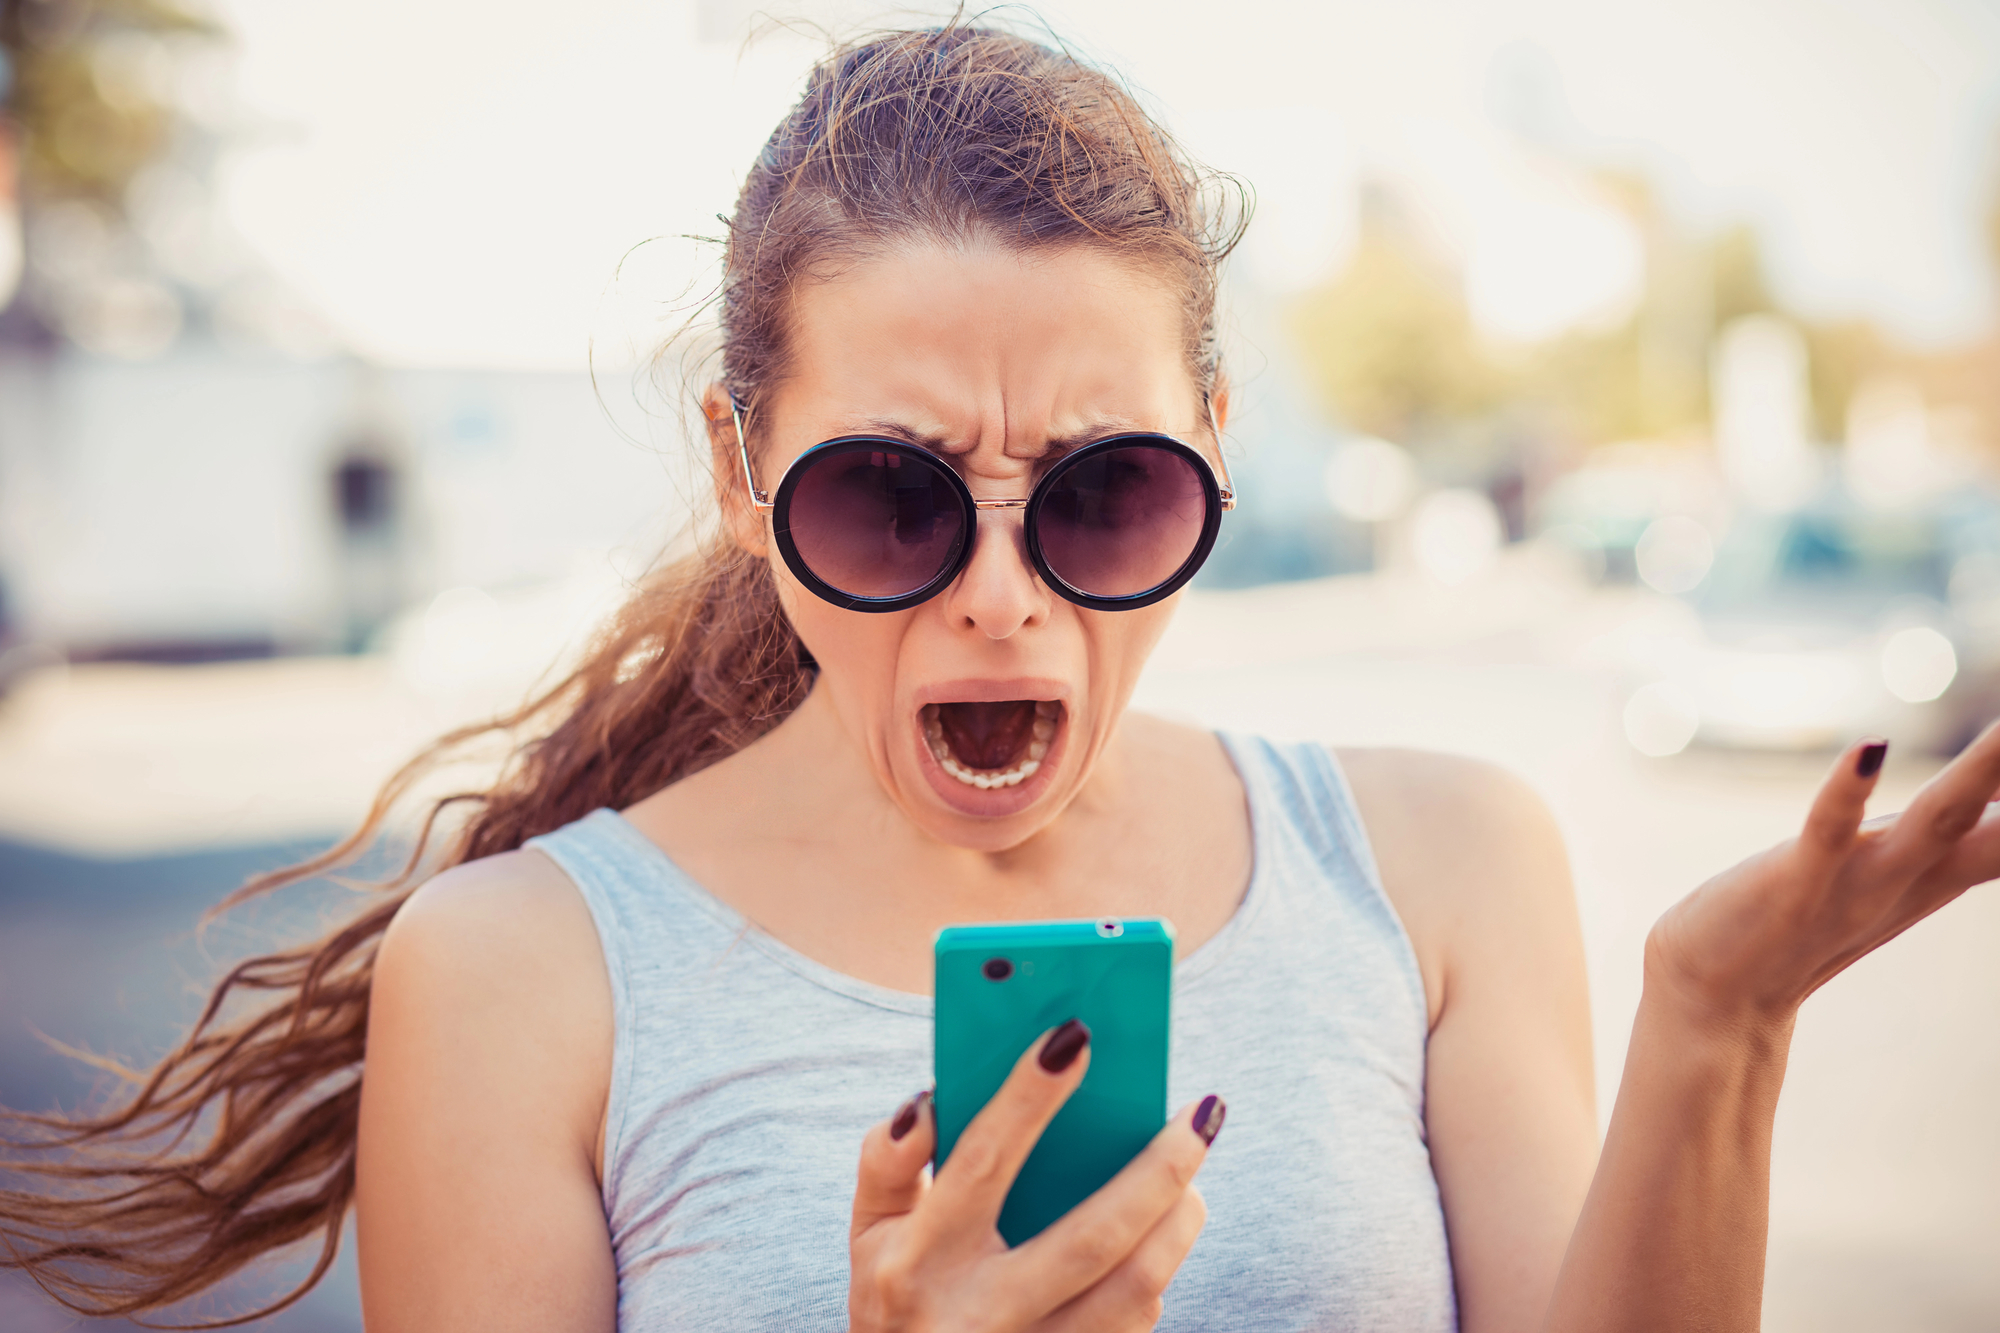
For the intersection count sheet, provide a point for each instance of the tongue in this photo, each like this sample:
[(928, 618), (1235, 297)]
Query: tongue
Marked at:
[(990, 735)]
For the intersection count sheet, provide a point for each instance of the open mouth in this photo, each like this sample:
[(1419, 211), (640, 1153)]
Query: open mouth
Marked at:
[(988, 745)]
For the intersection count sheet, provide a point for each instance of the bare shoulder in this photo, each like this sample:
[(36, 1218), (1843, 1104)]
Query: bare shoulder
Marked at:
[(1470, 856), (493, 972), (1447, 808), (483, 1091), (515, 915)]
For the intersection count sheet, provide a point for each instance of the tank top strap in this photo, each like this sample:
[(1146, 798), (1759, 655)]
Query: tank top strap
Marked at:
[(639, 898), (1302, 786), (651, 925), (1310, 841)]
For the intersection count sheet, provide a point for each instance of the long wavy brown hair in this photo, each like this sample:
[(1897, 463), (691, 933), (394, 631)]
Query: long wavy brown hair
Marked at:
[(242, 1140)]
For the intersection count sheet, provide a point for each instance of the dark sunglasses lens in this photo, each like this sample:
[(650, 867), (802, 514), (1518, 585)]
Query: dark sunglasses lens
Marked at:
[(875, 522), (1122, 522)]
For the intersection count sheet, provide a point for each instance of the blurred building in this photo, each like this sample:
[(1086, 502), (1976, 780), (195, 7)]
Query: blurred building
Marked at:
[(191, 465), (207, 503)]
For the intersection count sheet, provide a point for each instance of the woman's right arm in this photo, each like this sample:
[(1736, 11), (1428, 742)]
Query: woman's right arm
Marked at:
[(482, 1101)]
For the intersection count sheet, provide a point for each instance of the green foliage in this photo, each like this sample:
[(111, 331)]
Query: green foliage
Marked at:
[(1393, 351), (1391, 346), (89, 93)]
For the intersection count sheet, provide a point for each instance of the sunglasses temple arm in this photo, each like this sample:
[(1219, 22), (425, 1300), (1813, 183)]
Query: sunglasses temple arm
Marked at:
[(1228, 486), (758, 499)]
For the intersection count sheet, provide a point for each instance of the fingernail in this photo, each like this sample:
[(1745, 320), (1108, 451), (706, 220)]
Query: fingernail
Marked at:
[(906, 1115), (1063, 1046), (1208, 1117), (1870, 762)]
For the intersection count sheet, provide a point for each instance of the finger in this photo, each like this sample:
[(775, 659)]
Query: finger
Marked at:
[(1973, 860), (893, 1157), (1129, 1295), (974, 1180), (1100, 1233), (1843, 799), (1946, 809)]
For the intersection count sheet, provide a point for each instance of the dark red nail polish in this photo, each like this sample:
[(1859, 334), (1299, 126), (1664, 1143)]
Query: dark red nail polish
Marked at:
[(1870, 762), (1208, 1117), (906, 1115), (1063, 1046)]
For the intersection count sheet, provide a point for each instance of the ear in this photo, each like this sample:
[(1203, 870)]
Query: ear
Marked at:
[(1218, 404), (732, 491)]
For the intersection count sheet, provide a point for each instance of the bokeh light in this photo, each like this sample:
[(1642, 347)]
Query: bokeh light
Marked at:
[(1660, 719), (1674, 554), (1918, 664), (1455, 535), (1370, 480)]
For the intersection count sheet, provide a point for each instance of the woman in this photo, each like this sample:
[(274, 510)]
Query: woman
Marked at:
[(622, 1054)]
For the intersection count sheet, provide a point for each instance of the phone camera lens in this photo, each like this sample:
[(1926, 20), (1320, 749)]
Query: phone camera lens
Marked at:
[(997, 969), (1110, 927)]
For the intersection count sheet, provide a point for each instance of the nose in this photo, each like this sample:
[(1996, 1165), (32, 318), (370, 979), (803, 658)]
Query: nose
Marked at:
[(998, 593)]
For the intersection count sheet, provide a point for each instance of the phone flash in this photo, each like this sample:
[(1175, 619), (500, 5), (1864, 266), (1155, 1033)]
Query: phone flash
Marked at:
[(1110, 927)]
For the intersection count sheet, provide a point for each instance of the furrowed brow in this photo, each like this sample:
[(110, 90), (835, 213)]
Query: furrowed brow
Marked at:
[(1053, 447)]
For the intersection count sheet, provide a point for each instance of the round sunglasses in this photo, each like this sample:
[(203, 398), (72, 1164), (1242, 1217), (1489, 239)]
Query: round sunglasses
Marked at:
[(874, 524)]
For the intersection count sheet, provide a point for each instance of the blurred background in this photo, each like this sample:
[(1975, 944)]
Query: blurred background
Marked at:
[(1616, 397)]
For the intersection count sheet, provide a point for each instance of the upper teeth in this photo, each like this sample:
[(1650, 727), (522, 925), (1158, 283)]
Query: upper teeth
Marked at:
[(1046, 713)]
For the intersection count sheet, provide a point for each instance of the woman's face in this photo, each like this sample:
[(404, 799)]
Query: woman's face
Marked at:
[(982, 711)]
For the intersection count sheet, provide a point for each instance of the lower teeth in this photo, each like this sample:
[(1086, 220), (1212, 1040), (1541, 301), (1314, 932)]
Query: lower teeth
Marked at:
[(988, 781), (1045, 730)]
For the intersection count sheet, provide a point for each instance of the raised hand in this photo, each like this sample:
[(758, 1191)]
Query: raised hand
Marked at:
[(1757, 939), (926, 1255)]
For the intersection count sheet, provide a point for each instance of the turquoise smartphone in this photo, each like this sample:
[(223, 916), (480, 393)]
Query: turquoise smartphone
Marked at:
[(1000, 987)]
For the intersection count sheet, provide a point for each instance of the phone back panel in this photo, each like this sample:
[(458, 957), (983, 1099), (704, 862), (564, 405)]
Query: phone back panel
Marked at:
[(1117, 976)]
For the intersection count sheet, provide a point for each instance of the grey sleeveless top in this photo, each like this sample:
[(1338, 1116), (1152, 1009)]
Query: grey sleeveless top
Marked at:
[(745, 1074)]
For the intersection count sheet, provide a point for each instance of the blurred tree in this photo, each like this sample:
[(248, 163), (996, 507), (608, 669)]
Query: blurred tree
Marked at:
[(1843, 354), (1647, 375), (1737, 276), (1392, 348), (89, 104), (1967, 380), (1389, 342)]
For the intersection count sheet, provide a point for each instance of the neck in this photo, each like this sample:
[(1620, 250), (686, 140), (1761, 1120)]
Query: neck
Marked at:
[(837, 806), (799, 835)]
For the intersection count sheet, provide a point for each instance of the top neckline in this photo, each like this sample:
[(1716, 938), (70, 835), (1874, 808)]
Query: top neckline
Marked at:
[(1186, 970)]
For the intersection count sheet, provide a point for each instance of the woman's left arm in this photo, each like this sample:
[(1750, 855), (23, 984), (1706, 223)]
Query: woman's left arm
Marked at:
[(1673, 1234), (1474, 864), (1672, 1226)]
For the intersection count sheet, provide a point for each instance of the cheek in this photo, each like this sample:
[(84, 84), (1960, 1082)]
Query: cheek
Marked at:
[(1122, 641), (856, 652)]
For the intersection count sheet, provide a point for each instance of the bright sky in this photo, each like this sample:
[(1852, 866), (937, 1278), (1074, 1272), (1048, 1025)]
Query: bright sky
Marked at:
[(454, 181)]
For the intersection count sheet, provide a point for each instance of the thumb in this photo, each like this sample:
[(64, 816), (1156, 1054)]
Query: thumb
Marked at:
[(893, 1158), (1843, 799)]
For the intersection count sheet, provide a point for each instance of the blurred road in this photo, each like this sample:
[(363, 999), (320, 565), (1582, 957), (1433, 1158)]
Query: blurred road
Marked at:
[(1886, 1197), (104, 954)]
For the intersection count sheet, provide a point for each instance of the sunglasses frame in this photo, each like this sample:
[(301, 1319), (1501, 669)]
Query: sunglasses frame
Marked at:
[(1219, 494)]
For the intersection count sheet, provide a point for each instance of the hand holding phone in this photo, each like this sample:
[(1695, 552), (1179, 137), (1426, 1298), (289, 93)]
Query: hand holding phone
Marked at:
[(923, 1250), (998, 986)]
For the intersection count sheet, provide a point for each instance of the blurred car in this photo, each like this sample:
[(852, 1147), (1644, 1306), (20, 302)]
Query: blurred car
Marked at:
[(1599, 512), (1817, 625)]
